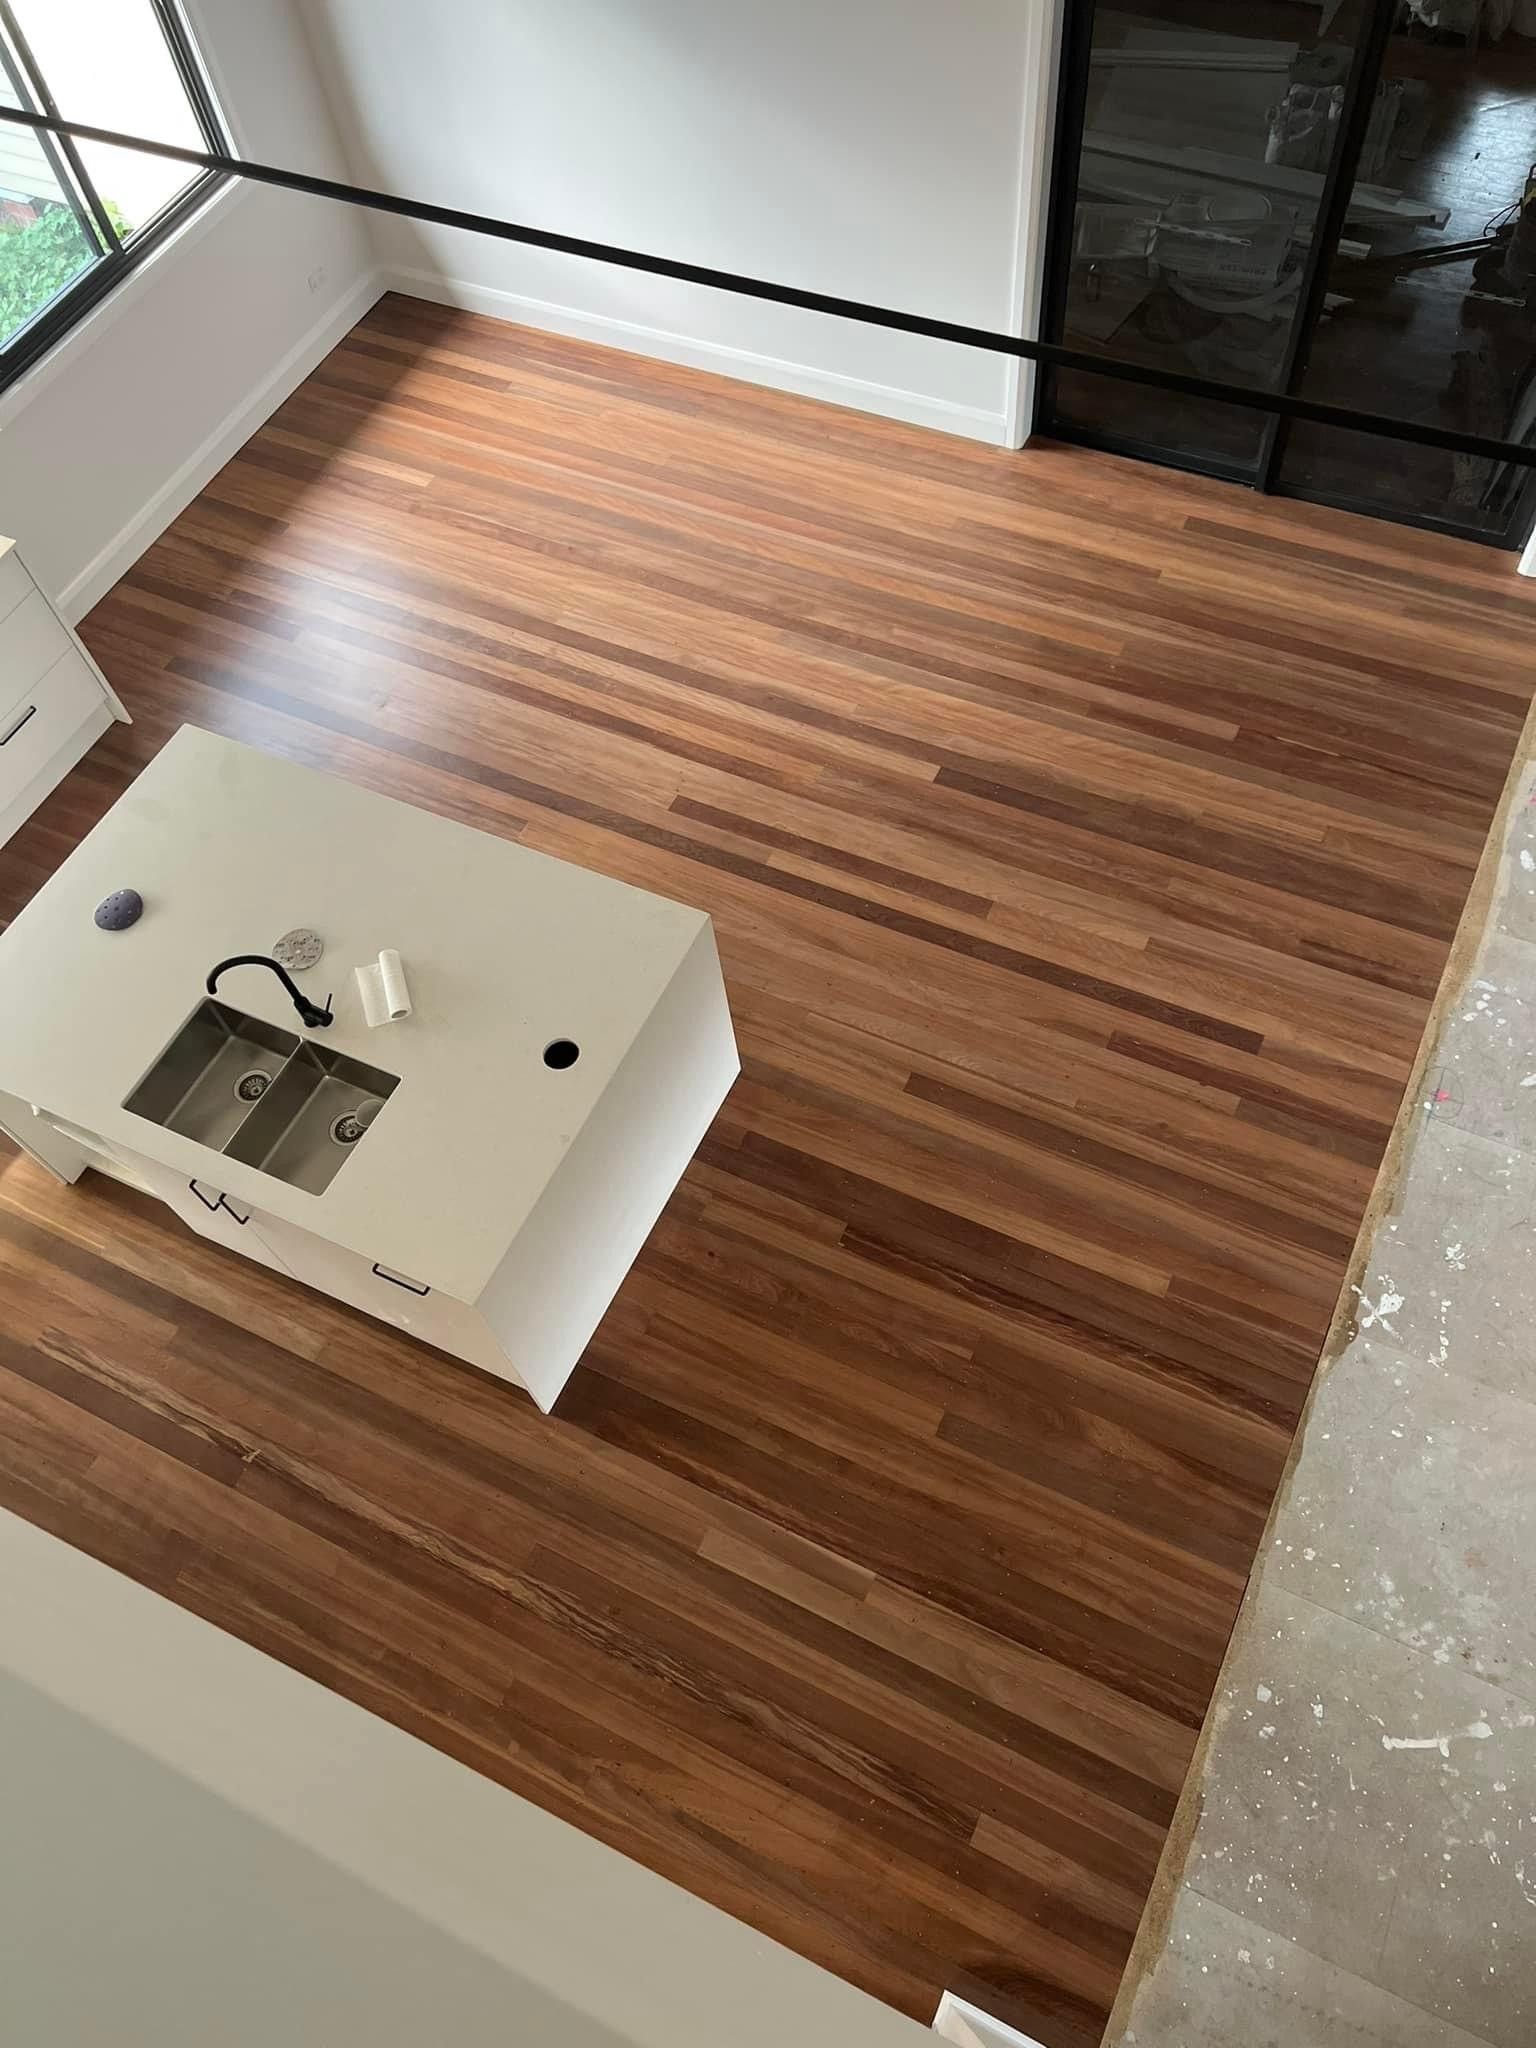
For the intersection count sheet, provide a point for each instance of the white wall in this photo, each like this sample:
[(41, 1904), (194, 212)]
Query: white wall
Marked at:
[(868, 148), (114, 431), (138, 1908), (871, 151), (199, 1845)]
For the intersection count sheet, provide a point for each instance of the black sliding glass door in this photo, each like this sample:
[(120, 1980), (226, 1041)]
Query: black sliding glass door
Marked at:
[(1335, 200), (1438, 319)]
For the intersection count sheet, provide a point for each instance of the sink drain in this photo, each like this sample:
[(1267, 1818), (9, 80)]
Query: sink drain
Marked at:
[(350, 1126), (252, 1086)]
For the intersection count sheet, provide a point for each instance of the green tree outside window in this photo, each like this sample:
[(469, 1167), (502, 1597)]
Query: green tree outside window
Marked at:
[(38, 258)]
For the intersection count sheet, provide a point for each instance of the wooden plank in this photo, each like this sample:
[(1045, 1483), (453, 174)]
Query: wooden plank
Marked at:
[(1079, 913)]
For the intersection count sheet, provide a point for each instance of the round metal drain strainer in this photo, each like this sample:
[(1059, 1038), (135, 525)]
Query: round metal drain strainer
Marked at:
[(252, 1086), (298, 949), (350, 1126)]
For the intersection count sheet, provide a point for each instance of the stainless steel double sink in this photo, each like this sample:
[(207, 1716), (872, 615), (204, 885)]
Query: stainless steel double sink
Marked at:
[(262, 1095)]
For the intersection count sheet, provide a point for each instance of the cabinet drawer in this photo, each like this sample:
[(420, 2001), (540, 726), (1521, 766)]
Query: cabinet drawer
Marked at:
[(15, 584), (31, 641), (201, 1204), (393, 1297), (40, 721)]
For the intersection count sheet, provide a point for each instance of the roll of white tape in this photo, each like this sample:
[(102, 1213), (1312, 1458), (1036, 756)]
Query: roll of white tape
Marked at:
[(382, 987), (397, 997)]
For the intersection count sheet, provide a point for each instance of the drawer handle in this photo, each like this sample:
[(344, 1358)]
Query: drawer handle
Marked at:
[(396, 1281), (207, 1202), (230, 1210), (30, 712)]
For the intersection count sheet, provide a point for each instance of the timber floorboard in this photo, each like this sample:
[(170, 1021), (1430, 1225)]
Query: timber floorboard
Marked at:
[(1084, 843)]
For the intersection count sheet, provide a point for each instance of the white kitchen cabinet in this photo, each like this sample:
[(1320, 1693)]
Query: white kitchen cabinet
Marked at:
[(54, 700), (15, 582), (41, 1139), (206, 1208), (200, 1203), (410, 1304), (568, 1047)]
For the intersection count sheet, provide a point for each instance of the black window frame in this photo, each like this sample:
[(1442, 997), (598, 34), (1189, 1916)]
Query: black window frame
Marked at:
[(118, 257)]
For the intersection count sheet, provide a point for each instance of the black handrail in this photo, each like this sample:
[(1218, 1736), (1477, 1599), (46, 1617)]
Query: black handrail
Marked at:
[(1285, 405)]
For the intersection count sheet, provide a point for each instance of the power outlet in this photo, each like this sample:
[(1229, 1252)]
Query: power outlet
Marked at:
[(317, 278)]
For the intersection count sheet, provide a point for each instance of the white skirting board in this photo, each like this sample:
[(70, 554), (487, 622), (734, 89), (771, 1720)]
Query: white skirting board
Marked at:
[(833, 388), (177, 492), (969, 2027)]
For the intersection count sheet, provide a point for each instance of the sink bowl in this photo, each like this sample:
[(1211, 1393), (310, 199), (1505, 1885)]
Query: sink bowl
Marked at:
[(262, 1095), (216, 1068), (306, 1124)]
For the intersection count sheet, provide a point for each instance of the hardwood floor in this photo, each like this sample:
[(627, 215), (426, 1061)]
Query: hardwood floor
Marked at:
[(1084, 842)]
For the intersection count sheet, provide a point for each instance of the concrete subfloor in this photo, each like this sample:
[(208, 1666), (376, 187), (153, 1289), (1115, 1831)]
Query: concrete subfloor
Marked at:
[(1355, 1860)]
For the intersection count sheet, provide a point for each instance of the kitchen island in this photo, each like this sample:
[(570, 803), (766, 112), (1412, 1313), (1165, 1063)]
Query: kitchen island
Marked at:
[(567, 1047)]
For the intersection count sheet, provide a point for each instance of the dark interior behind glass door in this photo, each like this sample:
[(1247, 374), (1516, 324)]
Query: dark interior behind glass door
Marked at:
[(1432, 316), (1203, 150), (1206, 132)]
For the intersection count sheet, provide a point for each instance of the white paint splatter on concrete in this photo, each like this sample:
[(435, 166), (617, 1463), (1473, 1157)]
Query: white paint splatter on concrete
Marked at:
[(1475, 1731), (1527, 859), (1375, 1312)]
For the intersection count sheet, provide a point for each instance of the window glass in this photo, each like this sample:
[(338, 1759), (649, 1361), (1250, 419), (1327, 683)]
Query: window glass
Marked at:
[(46, 239), (1431, 306), (108, 65), (74, 217), (1207, 133)]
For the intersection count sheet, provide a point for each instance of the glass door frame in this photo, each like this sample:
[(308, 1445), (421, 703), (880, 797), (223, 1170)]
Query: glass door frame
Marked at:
[(1338, 187)]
